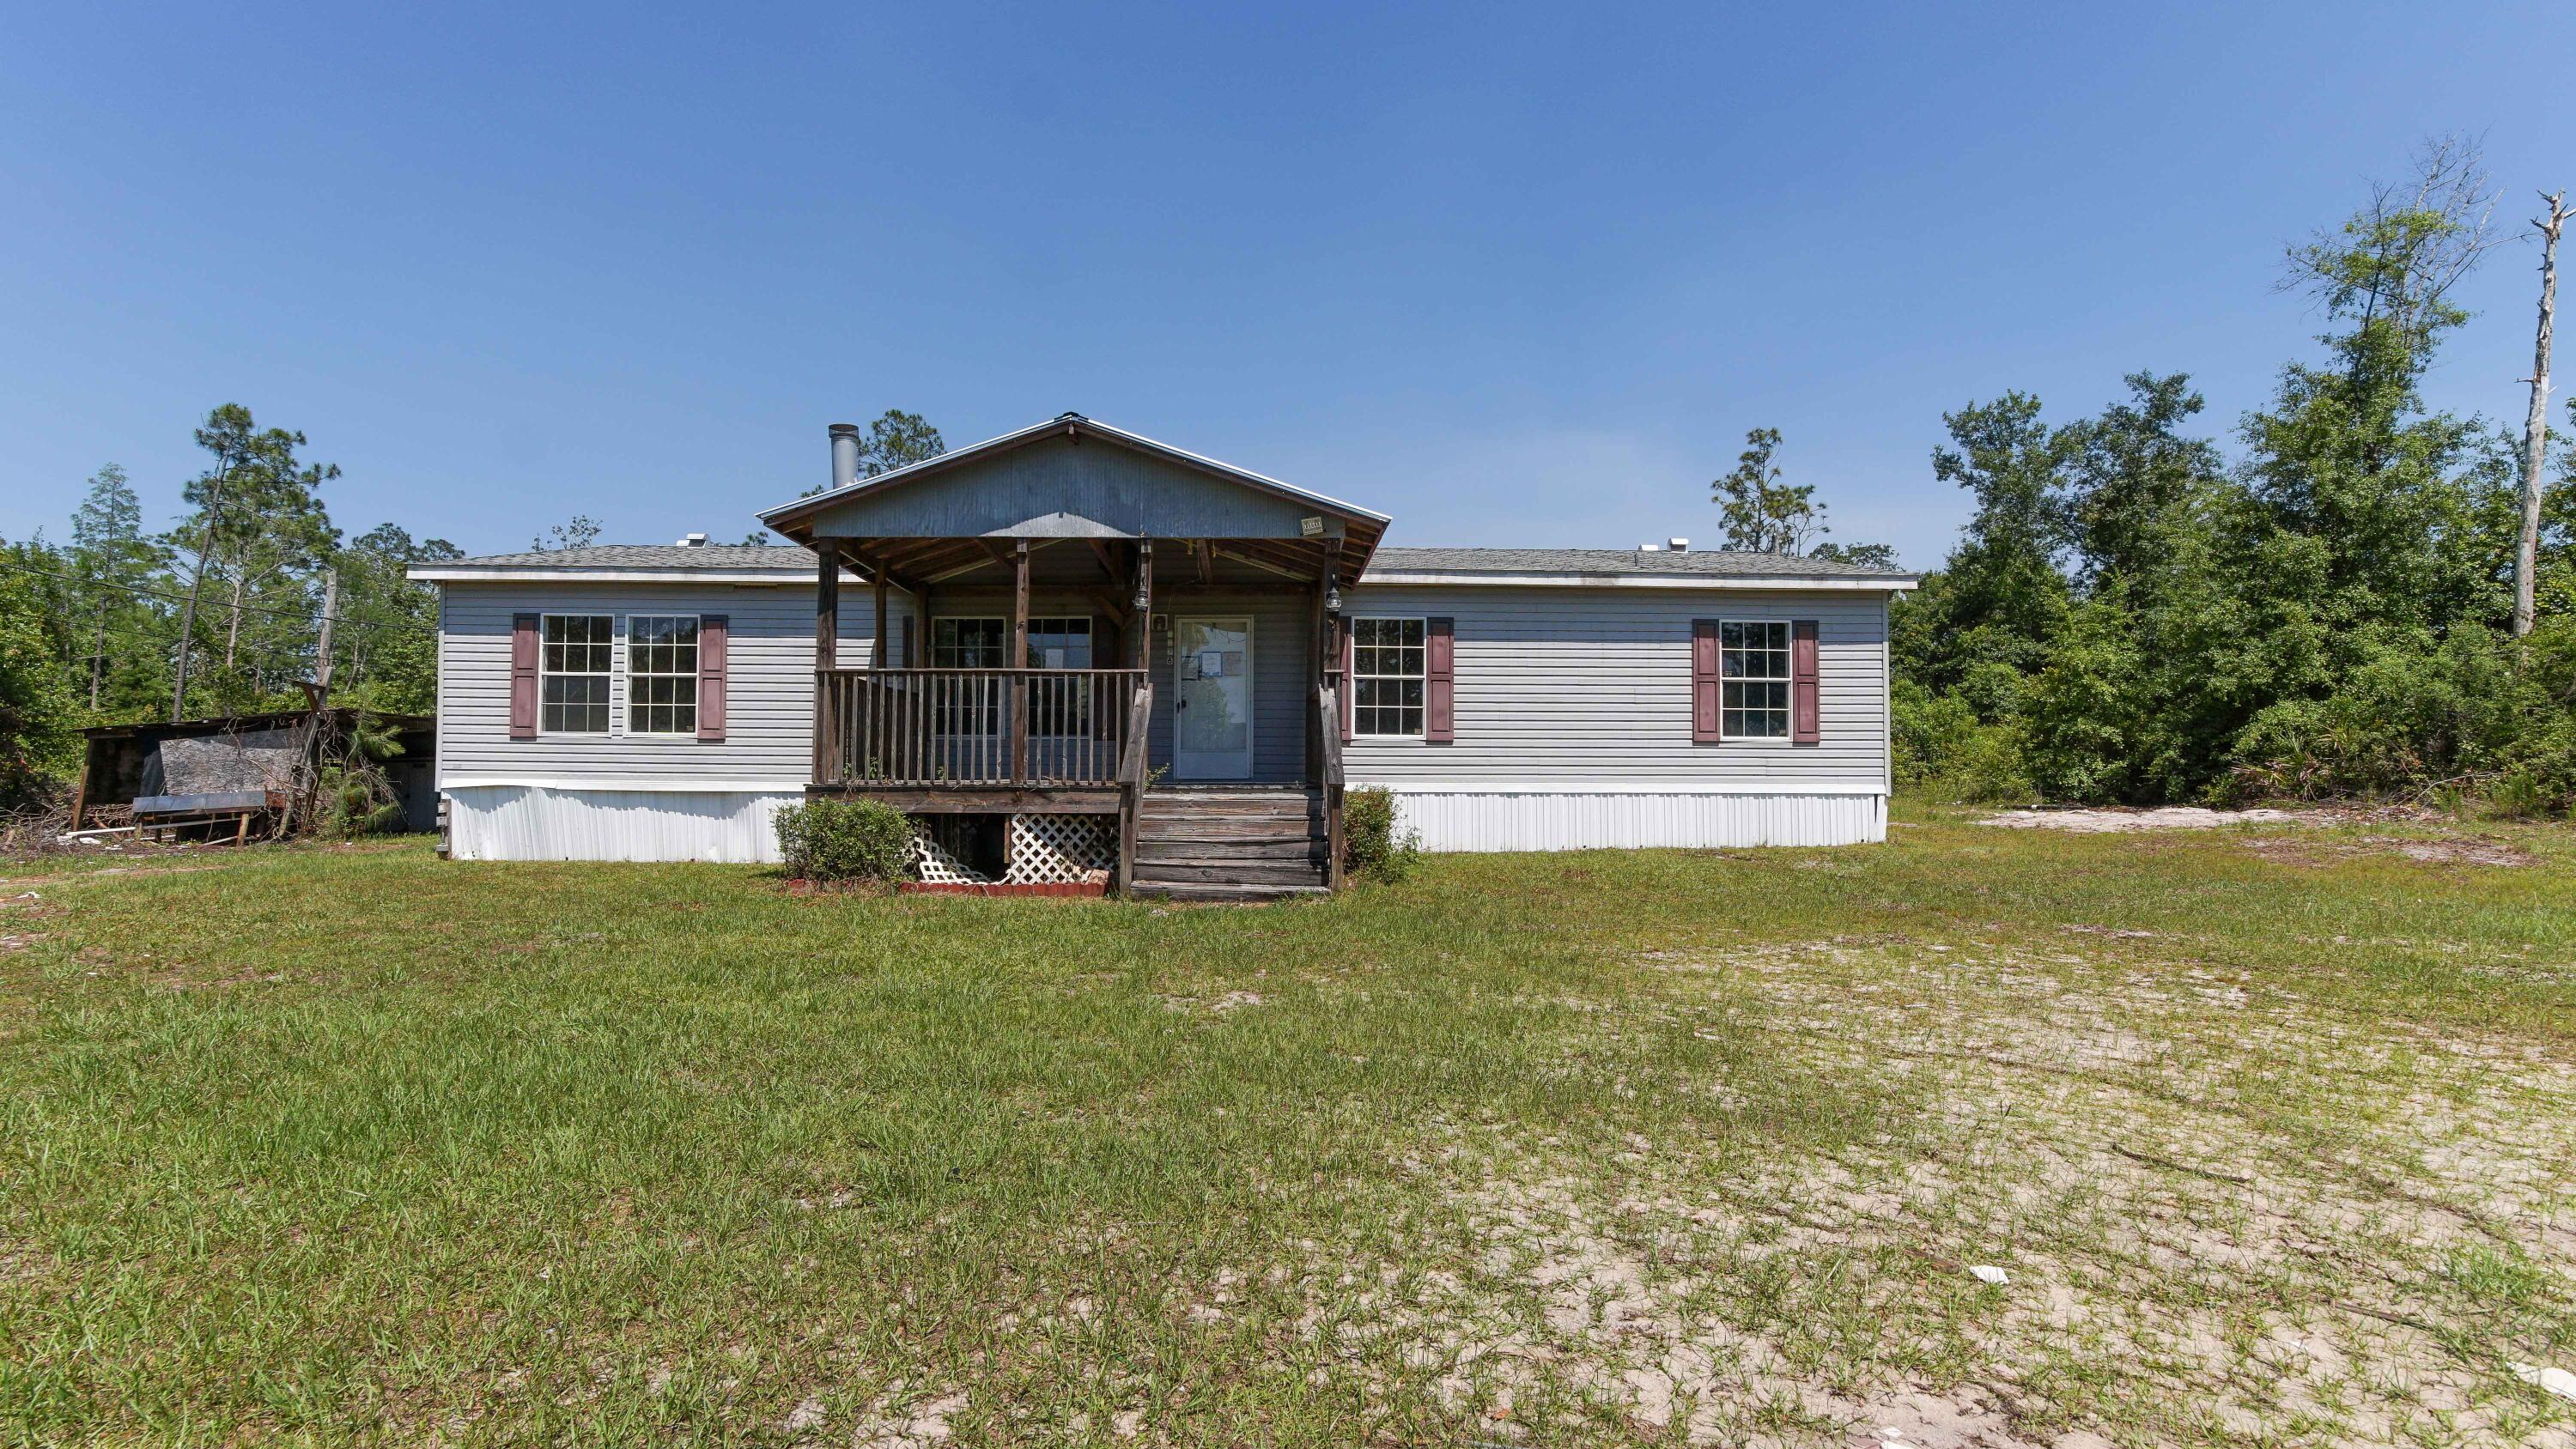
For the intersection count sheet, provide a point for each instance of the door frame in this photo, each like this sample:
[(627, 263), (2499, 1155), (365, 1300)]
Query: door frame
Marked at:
[(1251, 713)]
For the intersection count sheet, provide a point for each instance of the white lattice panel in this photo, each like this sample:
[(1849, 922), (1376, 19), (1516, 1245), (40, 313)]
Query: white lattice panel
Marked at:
[(1061, 848), (934, 860)]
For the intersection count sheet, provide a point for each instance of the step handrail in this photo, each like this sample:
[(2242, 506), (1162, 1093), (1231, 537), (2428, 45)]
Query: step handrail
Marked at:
[(1132, 773), (1328, 729)]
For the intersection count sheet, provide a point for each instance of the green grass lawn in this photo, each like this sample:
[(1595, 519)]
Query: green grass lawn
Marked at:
[(2273, 1132)]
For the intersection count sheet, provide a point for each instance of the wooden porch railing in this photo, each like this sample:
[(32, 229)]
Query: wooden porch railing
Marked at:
[(944, 728)]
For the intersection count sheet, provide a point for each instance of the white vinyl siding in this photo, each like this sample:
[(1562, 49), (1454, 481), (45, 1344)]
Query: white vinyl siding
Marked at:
[(1590, 689), (1559, 691), (769, 688)]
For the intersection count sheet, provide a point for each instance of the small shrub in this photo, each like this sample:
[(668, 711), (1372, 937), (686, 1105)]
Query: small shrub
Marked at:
[(839, 840), (1370, 845)]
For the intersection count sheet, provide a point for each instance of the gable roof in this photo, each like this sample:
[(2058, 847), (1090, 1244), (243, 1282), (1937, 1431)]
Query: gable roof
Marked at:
[(786, 516)]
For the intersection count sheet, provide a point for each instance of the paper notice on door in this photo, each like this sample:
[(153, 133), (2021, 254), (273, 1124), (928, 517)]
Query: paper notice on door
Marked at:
[(1212, 664), (1234, 662)]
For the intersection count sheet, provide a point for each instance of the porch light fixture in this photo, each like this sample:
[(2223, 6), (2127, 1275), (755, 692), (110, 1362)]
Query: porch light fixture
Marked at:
[(1332, 598)]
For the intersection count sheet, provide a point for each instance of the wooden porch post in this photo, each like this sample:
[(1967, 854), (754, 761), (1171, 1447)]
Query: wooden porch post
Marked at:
[(1314, 678), (1143, 652), (877, 659), (1019, 662), (827, 656)]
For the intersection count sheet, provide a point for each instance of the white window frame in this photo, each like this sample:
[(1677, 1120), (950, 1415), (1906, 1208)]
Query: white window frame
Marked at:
[(1786, 679), (625, 714), (1424, 678), (544, 673)]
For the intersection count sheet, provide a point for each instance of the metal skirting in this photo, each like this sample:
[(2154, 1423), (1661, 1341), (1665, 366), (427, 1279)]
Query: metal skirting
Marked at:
[(537, 822), (1494, 820), (540, 822)]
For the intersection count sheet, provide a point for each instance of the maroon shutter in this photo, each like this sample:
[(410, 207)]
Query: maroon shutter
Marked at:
[(713, 630), (523, 676), (1439, 681), (1802, 683), (1704, 682), (1350, 686)]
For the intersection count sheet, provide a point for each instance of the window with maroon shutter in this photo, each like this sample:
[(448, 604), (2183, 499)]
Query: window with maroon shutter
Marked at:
[(664, 668), (1440, 680), (1704, 681), (1753, 679), (1803, 714), (523, 676), (1391, 678), (714, 631)]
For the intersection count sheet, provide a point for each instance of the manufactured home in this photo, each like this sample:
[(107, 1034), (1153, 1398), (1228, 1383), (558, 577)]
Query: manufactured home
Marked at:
[(1084, 659)]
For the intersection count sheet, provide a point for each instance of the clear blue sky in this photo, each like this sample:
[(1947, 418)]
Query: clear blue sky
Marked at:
[(1516, 276)]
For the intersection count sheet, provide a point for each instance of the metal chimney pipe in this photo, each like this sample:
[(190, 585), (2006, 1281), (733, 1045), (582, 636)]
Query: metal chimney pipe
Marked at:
[(845, 454)]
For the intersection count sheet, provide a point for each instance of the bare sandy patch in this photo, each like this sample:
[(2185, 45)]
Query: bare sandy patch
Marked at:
[(2120, 821), (2223, 1215), (2322, 850)]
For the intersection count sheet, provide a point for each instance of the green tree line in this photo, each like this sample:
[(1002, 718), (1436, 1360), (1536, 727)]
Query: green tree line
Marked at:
[(2133, 613), (103, 627)]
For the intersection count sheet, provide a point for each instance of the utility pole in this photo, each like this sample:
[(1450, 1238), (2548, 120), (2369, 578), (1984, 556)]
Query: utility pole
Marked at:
[(2535, 429)]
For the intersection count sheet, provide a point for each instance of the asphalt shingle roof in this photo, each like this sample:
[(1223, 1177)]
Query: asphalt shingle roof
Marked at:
[(1605, 562), (785, 558), (1717, 563)]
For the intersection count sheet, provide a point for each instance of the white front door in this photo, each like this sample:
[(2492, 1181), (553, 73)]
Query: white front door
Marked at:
[(1212, 699)]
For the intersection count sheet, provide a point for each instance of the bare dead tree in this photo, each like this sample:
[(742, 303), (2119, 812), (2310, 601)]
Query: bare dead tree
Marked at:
[(2535, 428), (2400, 255)]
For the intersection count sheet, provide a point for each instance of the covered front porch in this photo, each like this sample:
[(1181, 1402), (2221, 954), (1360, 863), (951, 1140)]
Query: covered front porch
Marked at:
[(1095, 616)]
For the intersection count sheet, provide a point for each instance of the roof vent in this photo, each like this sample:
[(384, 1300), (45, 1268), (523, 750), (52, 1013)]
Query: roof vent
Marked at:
[(1678, 545), (695, 540), (1650, 548)]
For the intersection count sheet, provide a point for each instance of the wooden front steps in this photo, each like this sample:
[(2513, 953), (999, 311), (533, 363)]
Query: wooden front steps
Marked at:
[(1233, 844)]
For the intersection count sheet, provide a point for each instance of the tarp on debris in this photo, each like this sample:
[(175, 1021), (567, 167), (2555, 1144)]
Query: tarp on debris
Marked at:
[(217, 764)]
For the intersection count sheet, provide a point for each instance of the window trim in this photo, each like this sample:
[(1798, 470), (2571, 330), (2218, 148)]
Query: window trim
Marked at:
[(931, 649), (616, 633), (1789, 681), (625, 714), (1358, 710), (930, 652)]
